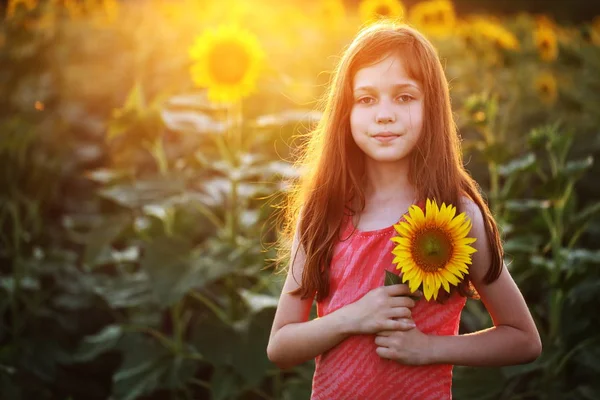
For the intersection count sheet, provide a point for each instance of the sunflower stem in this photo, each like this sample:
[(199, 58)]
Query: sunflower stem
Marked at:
[(235, 118)]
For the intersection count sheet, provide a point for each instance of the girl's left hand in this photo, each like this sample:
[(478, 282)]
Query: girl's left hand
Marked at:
[(409, 347)]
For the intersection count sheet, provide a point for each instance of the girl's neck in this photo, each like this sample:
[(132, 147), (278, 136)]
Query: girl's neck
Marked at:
[(388, 182)]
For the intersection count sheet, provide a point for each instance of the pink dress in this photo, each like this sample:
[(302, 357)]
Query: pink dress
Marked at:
[(352, 370)]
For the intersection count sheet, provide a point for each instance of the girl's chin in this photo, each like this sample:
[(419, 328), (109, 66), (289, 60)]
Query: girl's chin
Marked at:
[(387, 158)]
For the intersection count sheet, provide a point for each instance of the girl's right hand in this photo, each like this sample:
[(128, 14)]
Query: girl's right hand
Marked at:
[(385, 308)]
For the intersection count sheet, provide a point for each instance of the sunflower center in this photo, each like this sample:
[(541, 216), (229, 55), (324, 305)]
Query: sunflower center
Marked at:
[(383, 11), (441, 17), (545, 45), (228, 62), (432, 249)]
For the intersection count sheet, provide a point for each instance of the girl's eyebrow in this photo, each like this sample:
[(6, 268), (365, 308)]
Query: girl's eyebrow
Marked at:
[(397, 86)]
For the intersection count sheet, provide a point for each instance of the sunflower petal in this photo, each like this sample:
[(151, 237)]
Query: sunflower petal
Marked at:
[(404, 229), (417, 216), (444, 281)]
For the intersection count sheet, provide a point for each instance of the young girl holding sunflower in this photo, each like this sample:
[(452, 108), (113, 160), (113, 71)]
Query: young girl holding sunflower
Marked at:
[(384, 158)]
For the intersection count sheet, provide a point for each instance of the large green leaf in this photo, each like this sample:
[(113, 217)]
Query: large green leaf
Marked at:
[(258, 302), (518, 166), (126, 290), (216, 341), (297, 389), (587, 213), (147, 366), (251, 360), (175, 267), (167, 262), (98, 241), (576, 168), (526, 205), (477, 383), (522, 244), (225, 384), (143, 192), (93, 345)]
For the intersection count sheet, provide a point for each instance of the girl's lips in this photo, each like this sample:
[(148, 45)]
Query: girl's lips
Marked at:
[(386, 137)]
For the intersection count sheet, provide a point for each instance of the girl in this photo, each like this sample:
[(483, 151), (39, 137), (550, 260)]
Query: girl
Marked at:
[(388, 140)]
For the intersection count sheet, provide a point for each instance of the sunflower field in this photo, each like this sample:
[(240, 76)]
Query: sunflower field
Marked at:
[(146, 145)]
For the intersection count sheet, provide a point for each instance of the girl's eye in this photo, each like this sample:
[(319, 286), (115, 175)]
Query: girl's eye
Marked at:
[(366, 100), (405, 98)]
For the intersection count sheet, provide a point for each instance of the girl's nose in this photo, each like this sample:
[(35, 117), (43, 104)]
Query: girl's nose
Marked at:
[(385, 114)]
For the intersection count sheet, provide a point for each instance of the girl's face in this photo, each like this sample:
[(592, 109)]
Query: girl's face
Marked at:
[(387, 112)]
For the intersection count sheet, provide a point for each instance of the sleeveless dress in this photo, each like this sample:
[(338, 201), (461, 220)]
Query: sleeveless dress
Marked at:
[(352, 370)]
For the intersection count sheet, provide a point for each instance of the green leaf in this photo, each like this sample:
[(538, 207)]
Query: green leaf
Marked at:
[(522, 244), (93, 345), (257, 302), (517, 166), (192, 122), (477, 383), (216, 341), (526, 205), (140, 193), (391, 278), (577, 167), (250, 360), (98, 241), (297, 389), (589, 357), (147, 366), (225, 385), (167, 261), (294, 117), (510, 372), (587, 213), (576, 256), (124, 291)]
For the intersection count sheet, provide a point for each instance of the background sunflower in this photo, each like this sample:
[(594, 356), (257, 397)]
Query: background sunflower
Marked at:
[(545, 40), (436, 17), (227, 62), (373, 10), (546, 88)]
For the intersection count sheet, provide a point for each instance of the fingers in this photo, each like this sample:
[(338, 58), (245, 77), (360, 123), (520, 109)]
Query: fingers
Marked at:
[(384, 352), (400, 289), (400, 312), (402, 324), (401, 301), (397, 289)]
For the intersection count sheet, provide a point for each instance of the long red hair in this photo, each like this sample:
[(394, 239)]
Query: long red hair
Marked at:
[(333, 166)]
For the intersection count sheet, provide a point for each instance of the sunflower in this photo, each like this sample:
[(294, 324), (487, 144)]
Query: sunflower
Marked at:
[(75, 9), (546, 88), (545, 41), (492, 31), (432, 248), (595, 31), (227, 62), (436, 17), (332, 11), (372, 10), (13, 5)]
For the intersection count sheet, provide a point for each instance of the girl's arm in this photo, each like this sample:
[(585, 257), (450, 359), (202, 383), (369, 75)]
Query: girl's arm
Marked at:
[(514, 339), (295, 340)]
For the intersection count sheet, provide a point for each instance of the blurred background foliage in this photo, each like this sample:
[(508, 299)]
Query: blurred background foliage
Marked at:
[(145, 146)]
